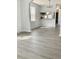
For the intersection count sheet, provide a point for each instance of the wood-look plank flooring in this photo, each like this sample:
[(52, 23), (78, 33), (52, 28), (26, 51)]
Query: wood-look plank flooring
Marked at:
[(42, 43)]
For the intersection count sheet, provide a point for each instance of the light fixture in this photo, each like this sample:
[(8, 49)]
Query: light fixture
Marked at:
[(47, 13), (50, 6), (49, 3), (45, 16)]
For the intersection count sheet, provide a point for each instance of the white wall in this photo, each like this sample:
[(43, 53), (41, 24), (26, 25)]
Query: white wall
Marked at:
[(52, 4), (35, 24), (23, 16), (59, 19), (18, 16)]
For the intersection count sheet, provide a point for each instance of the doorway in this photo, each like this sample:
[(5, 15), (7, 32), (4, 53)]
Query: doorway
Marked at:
[(57, 16)]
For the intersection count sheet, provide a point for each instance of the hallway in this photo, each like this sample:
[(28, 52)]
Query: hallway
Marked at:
[(42, 43)]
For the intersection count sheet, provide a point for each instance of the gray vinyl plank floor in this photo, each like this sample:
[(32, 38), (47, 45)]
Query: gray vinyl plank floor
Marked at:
[(42, 43)]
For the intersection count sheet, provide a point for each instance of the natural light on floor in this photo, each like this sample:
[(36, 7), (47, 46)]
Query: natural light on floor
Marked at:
[(24, 37)]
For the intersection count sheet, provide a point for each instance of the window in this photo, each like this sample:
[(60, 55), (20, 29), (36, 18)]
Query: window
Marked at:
[(32, 9)]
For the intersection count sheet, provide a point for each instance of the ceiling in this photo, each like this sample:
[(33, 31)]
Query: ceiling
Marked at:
[(41, 2), (58, 1), (45, 2)]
